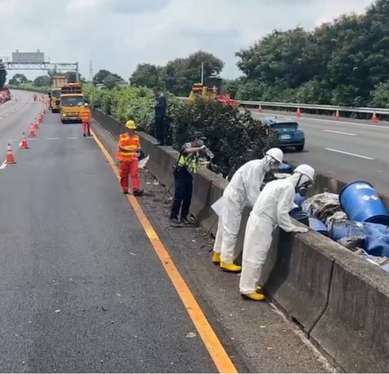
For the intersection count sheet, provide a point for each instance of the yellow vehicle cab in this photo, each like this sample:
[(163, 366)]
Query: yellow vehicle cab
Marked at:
[(72, 103)]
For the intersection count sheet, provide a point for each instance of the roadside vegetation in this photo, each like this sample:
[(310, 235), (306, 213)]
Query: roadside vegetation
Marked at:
[(233, 137)]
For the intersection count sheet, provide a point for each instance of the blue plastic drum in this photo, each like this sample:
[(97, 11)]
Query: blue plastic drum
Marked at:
[(298, 199), (318, 226), (284, 168), (362, 204)]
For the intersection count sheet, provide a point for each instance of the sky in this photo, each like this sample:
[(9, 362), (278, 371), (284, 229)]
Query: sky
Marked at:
[(119, 34)]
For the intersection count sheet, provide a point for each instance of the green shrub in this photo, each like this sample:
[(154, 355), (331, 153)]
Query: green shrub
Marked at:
[(233, 136)]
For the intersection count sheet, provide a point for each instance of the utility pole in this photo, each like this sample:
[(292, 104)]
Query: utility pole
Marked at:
[(202, 73), (90, 72)]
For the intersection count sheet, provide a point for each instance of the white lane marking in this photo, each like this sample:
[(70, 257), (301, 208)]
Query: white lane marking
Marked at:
[(52, 138), (13, 140), (341, 133), (72, 137), (6, 114), (349, 154), (1, 117), (3, 165), (267, 114)]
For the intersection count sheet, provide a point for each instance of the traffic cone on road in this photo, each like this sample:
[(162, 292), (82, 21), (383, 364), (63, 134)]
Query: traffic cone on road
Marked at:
[(374, 119), (36, 125), (32, 133), (24, 144), (298, 113), (337, 116), (10, 156), (260, 109)]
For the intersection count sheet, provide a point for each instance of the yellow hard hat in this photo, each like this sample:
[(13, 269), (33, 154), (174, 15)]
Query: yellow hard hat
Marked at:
[(131, 125)]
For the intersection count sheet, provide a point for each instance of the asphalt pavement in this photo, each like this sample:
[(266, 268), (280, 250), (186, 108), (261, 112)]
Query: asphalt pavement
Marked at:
[(16, 116), (346, 149), (81, 288)]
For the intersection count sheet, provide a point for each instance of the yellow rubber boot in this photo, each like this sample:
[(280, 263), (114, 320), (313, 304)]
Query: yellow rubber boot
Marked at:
[(254, 296), (232, 268), (216, 258)]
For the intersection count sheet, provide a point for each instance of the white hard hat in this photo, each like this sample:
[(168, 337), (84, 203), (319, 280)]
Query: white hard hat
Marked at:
[(276, 153), (306, 170)]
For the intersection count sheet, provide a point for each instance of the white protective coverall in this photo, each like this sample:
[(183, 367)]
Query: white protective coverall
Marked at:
[(271, 209), (243, 189)]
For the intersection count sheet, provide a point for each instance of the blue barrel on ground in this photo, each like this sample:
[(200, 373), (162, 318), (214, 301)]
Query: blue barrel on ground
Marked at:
[(318, 226), (362, 204)]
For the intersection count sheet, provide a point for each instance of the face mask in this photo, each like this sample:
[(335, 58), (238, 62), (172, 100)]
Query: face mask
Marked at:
[(303, 189), (271, 164), (200, 143)]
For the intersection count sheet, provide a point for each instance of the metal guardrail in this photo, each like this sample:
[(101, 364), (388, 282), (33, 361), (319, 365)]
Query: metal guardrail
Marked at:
[(310, 107)]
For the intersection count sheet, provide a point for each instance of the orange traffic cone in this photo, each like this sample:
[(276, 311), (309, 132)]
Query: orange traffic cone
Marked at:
[(36, 125), (10, 156), (298, 113), (337, 116), (260, 109), (374, 119), (32, 131), (24, 144)]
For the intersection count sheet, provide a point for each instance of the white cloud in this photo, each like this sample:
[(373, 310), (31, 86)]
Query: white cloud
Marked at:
[(119, 34)]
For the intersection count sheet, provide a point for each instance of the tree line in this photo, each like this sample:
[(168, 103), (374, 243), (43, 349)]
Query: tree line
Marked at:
[(344, 62)]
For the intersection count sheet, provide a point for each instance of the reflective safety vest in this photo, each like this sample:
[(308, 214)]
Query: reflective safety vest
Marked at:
[(132, 146), (85, 115), (190, 162)]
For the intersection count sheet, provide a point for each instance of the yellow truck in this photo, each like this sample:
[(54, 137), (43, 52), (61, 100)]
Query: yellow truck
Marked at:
[(72, 102), (55, 94)]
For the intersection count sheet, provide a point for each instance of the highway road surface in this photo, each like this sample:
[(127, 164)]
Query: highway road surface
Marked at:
[(81, 288), (347, 149), (87, 286)]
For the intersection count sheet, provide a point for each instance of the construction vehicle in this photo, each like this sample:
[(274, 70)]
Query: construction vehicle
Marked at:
[(72, 102), (55, 94), (212, 90)]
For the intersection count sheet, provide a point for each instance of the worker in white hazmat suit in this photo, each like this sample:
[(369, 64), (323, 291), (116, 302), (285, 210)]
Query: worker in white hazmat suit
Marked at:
[(271, 209), (243, 189)]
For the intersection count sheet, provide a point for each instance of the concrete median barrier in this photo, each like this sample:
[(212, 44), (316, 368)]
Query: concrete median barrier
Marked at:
[(354, 329), (338, 300)]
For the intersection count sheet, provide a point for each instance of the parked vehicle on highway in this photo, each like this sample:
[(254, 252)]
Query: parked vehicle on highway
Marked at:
[(72, 103), (289, 134)]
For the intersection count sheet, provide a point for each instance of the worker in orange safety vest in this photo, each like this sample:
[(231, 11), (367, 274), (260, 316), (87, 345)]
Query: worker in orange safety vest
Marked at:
[(128, 148), (85, 117)]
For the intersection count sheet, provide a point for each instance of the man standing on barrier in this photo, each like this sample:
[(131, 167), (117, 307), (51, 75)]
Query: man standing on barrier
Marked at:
[(187, 164), (160, 114), (243, 189), (270, 210), (128, 148)]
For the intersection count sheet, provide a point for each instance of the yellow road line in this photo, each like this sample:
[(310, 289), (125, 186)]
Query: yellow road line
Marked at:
[(214, 346)]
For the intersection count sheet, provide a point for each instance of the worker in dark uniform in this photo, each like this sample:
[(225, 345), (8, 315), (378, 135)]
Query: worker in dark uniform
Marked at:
[(186, 166), (160, 114)]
